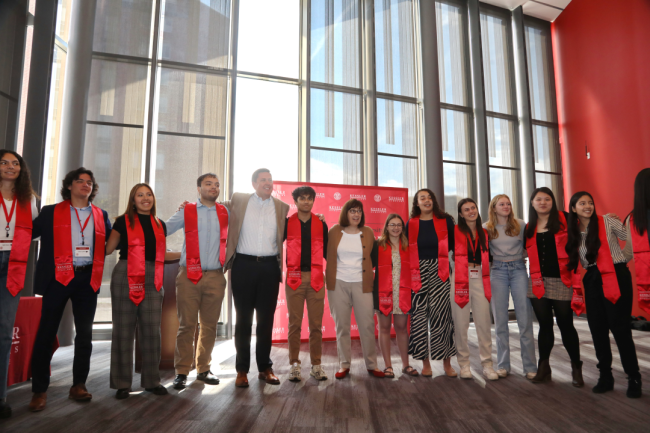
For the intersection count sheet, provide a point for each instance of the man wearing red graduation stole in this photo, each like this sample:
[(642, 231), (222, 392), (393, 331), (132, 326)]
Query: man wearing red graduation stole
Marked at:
[(70, 267), (306, 238), (200, 284)]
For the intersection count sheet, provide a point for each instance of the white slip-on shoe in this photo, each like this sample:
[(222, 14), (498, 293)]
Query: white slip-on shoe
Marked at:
[(294, 374), (489, 373), (530, 376), (465, 372), (502, 372), (317, 372)]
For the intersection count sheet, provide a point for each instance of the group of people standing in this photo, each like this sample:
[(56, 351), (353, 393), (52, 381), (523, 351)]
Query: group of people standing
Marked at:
[(430, 268)]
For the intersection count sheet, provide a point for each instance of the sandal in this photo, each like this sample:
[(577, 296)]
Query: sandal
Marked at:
[(388, 372), (410, 371)]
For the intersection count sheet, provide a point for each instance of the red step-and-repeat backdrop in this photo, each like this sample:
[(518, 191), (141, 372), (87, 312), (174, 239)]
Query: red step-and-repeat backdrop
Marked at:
[(378, 203)]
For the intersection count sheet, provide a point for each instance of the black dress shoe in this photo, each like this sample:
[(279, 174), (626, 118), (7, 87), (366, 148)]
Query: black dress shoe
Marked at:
[(604, 385), (208, 378), (5, 410), (123, 393), (179, 382), (634, 388), (159, 390)]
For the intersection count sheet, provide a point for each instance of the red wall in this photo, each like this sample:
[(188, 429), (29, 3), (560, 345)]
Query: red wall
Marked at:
[(602, 70)]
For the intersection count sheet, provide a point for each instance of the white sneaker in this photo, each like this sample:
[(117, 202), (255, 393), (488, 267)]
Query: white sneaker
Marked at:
[(294, 374), (502, 372), (465, 372), (489, 373), (317, 372), (530, 376)]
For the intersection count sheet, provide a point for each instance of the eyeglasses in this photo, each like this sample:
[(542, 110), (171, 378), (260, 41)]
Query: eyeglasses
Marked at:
[(355, 211), (392, 226)]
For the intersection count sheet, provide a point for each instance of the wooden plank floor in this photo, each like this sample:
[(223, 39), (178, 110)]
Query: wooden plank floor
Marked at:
[(359, 403)]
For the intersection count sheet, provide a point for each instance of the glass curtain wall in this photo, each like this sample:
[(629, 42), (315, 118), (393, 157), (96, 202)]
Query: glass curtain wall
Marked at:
[(539, 59), (456, 103)]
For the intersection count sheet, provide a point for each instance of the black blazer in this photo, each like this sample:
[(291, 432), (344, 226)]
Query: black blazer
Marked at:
[(43, 226)]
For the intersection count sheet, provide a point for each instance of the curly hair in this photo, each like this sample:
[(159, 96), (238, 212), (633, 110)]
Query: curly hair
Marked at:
[(23, 185), (437, 212), (74, 175)]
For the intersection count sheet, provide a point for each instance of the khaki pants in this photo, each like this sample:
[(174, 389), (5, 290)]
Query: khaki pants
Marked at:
[(197, 303), (480, 308), (296, 306), (343, 299)]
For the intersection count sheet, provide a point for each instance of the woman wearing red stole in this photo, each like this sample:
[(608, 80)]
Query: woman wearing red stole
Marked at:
[(136, 291), (430, 231), (18, 202), (392, 291), (593, 243), (550, 287), (471, 288)]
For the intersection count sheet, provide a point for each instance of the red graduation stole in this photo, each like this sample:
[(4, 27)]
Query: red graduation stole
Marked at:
[(192, 251), (19, 247), (63, 270), (136, 257), (563, 258), (440, 225), (294, 250), (385, 275), (641, 248), (578, 298), (461, 273), (606, 265)]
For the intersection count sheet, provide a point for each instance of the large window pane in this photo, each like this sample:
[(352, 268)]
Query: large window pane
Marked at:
[(123, 27), (179, 161), (397, 128), (192, 102), (496, 63), (398, 172), (117, 92), (539, 56), (452, 54), (266, 131), (269, 37), (335, 120), (395, 47), (335, 42), (328, 166), (501, 142), (456, 136), (547, 149), (197, 32), (506, 182), (4, 113), (554, 182), (63, 12), (459, 184)]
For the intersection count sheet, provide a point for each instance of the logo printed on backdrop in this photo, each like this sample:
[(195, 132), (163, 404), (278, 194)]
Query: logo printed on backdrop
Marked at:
[(320, 195), (336, 208), (337, 196), (15, 339), (396, 199), (293, 207), (282, 302), (377, 198), (378, 210), (277, 193), (361, 197), (278, 330)]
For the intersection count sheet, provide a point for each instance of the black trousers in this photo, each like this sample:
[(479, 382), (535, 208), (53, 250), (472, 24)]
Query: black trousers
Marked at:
[(603, 316), (544, 309), (84, 304), (255, 287)]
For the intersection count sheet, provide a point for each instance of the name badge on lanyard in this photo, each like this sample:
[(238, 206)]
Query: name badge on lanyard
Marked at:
[(5, 245), (473, 273), (82, 251)]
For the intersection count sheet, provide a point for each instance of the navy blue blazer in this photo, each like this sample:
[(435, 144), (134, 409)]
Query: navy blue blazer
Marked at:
[(43, 226)]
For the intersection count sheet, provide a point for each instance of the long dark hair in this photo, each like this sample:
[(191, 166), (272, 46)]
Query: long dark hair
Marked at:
[(641, 201), (131, 212), (23, 185), (437, 212), (553, 225), (463, 227), (574, 237)]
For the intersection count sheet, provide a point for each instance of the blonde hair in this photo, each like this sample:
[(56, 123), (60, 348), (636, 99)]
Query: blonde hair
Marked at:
[(385, 236), (512, 226)]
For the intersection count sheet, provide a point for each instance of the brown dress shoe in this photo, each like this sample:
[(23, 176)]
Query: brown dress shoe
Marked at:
[(242, 380), (80, 393), (38, 402), (268, 376)]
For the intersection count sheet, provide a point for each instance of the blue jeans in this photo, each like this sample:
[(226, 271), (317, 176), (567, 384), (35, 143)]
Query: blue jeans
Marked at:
[(8, 308), (511, 278)]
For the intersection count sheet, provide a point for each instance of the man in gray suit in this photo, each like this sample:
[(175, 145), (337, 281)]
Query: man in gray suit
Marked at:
[(254, 256)]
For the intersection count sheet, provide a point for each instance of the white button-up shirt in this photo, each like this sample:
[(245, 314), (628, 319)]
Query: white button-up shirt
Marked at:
[(258, 236)]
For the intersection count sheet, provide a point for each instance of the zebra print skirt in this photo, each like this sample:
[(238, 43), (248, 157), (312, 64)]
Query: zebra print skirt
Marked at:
[(431, 320)]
